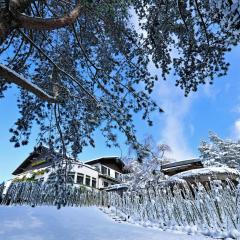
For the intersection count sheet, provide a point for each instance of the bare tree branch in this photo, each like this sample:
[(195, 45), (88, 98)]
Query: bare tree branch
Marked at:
[(38, 23), (13, 77)]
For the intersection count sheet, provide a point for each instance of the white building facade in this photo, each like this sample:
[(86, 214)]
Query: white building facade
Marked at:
[(98, 173)]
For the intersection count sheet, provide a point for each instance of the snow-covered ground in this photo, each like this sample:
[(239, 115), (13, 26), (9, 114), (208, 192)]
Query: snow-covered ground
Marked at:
[(48, 223)]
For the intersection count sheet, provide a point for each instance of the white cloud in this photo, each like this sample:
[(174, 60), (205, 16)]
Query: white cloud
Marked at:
[(174, 129), (237, 129)]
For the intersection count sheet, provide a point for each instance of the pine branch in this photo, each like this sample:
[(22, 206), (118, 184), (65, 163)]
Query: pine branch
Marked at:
[(13, 77), (58, 67)]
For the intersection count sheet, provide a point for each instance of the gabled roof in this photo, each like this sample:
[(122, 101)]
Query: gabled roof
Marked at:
[(36, 153)]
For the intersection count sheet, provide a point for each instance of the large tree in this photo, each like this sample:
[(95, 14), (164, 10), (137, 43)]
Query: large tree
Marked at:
[(80, 65)]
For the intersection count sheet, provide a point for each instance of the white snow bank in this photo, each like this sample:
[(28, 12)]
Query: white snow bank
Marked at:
[(48, 223)]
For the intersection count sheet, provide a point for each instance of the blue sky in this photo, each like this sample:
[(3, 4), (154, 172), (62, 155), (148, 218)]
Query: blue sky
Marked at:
[(214, 107), (184, 124)]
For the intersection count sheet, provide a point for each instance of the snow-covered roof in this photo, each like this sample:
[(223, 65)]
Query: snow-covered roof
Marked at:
[(209, 172)]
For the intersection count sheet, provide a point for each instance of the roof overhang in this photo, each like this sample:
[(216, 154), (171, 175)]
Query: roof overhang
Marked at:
[(103, 160)]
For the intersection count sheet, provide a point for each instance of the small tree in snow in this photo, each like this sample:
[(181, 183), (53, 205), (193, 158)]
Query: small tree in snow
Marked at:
[(219, 152), (148, 167)]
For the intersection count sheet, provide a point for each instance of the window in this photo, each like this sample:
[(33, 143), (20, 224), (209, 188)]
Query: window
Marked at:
[(105, 184), (108, 172), (88, 178), (70, 178), (117, 175), (94, 182), (104, 170), (80, 178)]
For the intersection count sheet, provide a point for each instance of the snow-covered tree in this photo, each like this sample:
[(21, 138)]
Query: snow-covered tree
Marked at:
[(220, 152), (81, 65), (147, 168)]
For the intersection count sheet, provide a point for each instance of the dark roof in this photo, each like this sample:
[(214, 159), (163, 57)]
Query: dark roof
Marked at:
[(181, 163), (36, 153), (103, 160), (181, 166)]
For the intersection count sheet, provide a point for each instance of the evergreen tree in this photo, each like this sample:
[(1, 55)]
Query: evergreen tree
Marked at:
[(220, 152)]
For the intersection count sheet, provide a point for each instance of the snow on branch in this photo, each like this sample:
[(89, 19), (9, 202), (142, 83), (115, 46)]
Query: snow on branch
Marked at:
[(13, 77), (47, 23)]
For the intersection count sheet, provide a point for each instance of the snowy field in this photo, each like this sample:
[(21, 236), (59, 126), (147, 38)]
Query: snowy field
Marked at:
[(48, 223)]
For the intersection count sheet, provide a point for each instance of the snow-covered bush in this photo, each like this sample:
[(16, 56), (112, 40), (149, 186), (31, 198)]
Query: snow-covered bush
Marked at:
[(220, 152), (147, 167)]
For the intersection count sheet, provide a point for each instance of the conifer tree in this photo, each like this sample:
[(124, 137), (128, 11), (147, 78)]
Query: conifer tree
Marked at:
[(220, 152)]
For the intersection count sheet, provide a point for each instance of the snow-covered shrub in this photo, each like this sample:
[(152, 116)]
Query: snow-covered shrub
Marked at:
[(147, 167)]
